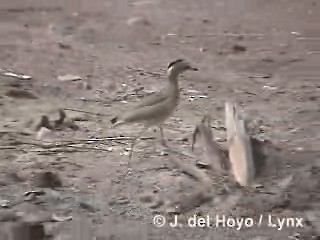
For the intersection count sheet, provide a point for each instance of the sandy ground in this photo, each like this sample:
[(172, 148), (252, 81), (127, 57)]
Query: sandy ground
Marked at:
[(262, 54)]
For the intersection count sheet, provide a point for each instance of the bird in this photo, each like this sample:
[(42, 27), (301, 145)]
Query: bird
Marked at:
[(156, 108)]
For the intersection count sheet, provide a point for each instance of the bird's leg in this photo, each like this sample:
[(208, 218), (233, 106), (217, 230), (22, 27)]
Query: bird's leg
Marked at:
[(130, 170), (163, 141), (134, 140), (133, 143)]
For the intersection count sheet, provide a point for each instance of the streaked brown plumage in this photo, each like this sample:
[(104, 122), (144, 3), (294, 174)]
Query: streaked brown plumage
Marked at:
[(155, 109)]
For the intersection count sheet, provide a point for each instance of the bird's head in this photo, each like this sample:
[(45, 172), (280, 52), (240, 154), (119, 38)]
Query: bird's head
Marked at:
[(179, 66)]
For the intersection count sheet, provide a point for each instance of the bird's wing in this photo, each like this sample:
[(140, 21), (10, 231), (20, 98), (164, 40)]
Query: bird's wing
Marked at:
[(153, 99), (149, 113), (150, 101)]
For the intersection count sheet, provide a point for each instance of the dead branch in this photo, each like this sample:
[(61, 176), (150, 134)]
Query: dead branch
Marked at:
[(214, 153), (120, 138), (68, 143), (240, 149), (76, 141), (68, 149)]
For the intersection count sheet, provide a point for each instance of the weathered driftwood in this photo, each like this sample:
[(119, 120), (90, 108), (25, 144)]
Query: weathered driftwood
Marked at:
[(212, 151), (240, 149)]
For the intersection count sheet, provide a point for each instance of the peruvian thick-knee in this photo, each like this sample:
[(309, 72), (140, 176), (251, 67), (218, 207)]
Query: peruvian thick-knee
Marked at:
[(155, 109)]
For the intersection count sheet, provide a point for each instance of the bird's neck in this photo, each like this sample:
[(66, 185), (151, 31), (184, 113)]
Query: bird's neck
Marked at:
[(173, 76), (174, 84)]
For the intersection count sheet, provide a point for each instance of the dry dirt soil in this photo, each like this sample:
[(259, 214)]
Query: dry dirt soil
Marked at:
[(262, 54)]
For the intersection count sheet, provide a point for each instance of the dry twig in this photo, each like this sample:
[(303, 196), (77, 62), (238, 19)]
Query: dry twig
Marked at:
[(256, 35), (86, 112)]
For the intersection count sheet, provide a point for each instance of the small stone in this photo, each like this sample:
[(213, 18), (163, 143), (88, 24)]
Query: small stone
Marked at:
[(271, 88), (57, 218), (296, 33), (69, 77), (294, 236), (202, 164), (257, 185), (202, 96), (184, 139), (138, 21), (64, 45), (109, 149), (4, 203), (238, 48), (87, 205), (163, 153), (192, 91), (203, 49), (299, 149)]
